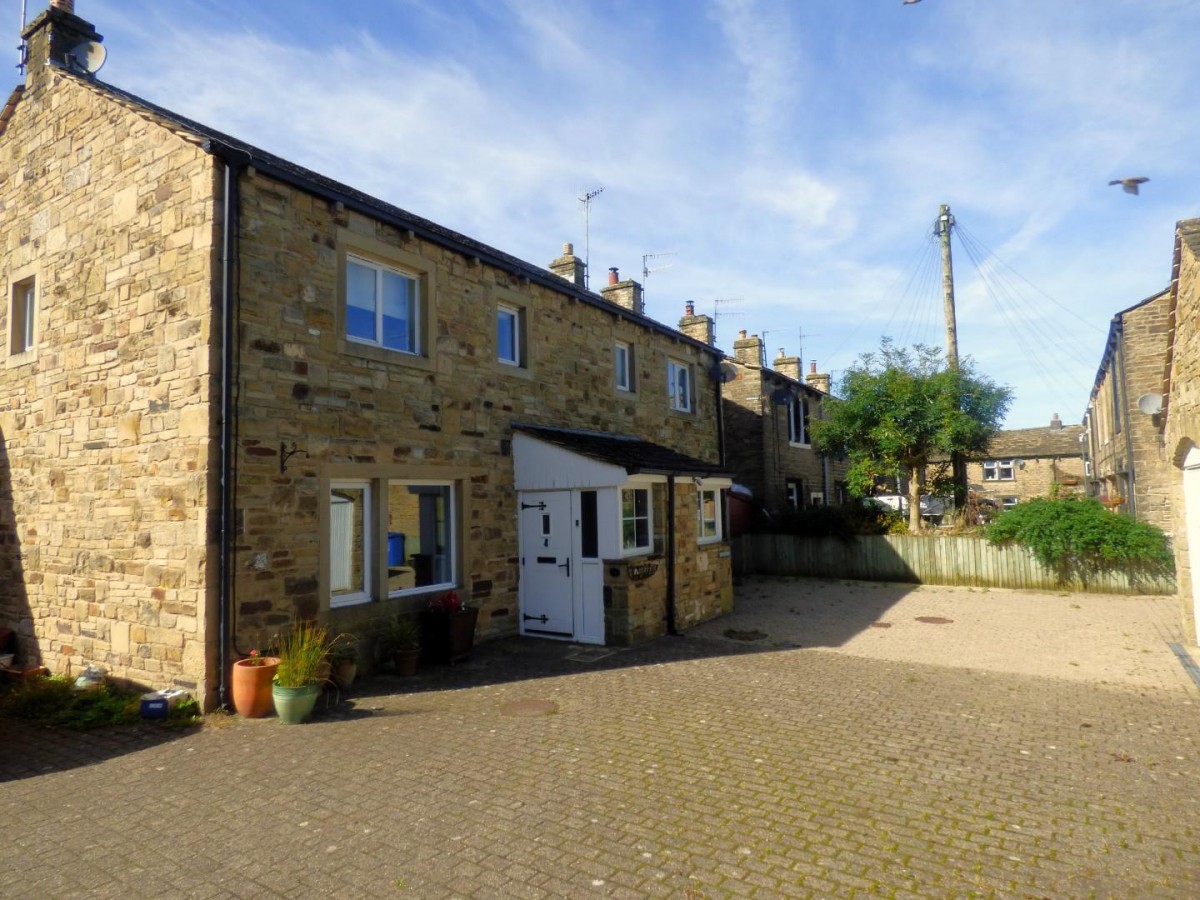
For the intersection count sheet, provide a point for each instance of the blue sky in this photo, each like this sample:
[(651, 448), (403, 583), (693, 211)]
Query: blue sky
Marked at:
[(791, 155)]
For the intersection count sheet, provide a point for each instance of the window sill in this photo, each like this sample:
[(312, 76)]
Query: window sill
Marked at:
[(348, 347), (349, 600), (513, 369)]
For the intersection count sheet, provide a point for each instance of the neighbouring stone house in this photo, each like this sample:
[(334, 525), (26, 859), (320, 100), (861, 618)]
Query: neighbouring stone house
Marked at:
[(1181, 415), (1123, 447), (1025, 463), (236, 393), (767, 413)]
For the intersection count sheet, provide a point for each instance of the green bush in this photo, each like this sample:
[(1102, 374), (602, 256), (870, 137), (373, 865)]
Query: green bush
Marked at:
[(54, 701), (1079, 538)]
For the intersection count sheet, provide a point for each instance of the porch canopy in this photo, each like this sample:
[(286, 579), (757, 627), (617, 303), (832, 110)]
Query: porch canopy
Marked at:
[(547, 458)]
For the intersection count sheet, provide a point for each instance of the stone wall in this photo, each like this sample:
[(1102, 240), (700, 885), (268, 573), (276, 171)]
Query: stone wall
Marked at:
[(1126, 443), (105, 450), (361, 412), (1183, 409), (1033, 478)]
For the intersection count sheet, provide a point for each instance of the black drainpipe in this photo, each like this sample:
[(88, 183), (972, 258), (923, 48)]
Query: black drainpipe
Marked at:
[(671, 629), (224, 554)]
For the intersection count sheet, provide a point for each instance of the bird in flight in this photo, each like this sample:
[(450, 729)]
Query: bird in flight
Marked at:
[(906, 2), (1129, 185)]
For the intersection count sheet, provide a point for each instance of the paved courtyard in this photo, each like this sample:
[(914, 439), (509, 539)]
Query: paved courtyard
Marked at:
[(822, 742)]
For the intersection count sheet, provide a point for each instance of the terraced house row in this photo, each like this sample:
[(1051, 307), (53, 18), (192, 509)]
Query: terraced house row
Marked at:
[(235, 393)]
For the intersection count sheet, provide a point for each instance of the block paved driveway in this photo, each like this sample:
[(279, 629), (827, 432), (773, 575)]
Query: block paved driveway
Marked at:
[(769, 755)]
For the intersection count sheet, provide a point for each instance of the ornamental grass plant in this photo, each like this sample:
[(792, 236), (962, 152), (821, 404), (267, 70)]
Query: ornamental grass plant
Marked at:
[(302, 650)]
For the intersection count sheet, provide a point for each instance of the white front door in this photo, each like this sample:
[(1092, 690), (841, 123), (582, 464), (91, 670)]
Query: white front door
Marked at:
[(547, 559)]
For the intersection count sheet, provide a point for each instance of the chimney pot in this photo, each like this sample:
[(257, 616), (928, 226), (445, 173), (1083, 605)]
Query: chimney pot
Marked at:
[(689, 308), (812, 367), (568, 249), (65, 5), (742, 333), (613, 277)]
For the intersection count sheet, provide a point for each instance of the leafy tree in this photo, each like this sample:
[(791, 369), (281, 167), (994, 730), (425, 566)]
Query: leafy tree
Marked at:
[(898, 408), (1078, 537)]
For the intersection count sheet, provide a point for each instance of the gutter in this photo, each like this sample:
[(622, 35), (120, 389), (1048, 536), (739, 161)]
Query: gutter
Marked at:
[(671, 628)]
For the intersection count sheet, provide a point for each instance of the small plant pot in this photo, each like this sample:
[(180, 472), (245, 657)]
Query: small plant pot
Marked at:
[(295, 704), (406, 661), (250, 686), (344, 672)]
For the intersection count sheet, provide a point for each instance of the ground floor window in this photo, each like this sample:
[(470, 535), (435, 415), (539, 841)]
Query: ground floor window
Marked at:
[(417, 539), (708, 507), (795, 493), (635, 520)]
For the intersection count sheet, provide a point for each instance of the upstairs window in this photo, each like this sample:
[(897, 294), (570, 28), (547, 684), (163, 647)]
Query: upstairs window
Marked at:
[(623, 366), (999, 470), (510, 335), (679, 386), (22, 317), (798, 420), (382, 306)]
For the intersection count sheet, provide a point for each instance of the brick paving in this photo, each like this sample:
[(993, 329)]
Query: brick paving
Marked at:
[(699, 766)]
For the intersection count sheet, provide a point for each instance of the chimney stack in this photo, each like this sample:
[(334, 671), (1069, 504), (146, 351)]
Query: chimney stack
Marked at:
[(748, 350), (699, 327), (819, 380), (50, 35), (1055, 422), (569, 266), (623, 293), (787, 365)]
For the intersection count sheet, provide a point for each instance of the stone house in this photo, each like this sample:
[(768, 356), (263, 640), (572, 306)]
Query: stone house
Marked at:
[(1181, 417), (1026, 463), (767, 411), (235, 393), (1126, 469)]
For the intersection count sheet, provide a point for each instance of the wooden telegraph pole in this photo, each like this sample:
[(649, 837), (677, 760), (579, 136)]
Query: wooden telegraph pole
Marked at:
[(942, 228)]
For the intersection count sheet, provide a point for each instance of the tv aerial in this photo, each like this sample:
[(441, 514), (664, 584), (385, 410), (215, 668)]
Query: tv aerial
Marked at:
[(87, 57), (586, 198)]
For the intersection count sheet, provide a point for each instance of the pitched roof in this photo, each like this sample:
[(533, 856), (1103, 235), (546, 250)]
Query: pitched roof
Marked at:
[(1032, 443), (635, 456), (240, 154)]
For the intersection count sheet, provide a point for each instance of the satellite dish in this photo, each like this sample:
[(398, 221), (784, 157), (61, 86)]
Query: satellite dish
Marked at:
[(87, 57), (1150, 403), (723, 372), (783, 395)]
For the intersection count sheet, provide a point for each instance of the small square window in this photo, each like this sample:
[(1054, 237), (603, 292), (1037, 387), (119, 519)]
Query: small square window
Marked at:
[(22, 317), (679, 386), (999, 470), (382, 306)]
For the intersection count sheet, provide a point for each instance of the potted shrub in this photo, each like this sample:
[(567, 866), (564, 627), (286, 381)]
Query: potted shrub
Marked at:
[(343, 659), (401, 640), (250, 685), (303, 652), (448, 628)]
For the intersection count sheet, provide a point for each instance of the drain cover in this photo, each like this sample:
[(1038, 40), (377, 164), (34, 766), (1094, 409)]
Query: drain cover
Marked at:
[(934, 620), (734, 635), (529, 708)]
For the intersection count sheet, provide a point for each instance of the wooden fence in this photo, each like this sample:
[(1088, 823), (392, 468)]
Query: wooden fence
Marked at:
[(934, 559)]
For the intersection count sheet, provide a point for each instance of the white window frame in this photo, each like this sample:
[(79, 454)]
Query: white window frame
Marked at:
[(636, 549), (23, 316), (623, 366), (1009, 502), (517, 316), (798, 415), (451, 533), (795, 492), (417, 305), (705, 534), (994, 469), (365, 594), (675, 370)]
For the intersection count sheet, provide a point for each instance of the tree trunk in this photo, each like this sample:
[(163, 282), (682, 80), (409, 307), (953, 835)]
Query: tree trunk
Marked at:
[(916, 484)]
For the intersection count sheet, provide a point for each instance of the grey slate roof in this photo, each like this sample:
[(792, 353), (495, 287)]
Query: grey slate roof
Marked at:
[(1033, 443), (239, 153), (635, 456)]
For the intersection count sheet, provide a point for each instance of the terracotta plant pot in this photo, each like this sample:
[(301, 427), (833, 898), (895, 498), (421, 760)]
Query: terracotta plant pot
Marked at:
[(344, 671), (406, 660), (251, 686), (448, 637)]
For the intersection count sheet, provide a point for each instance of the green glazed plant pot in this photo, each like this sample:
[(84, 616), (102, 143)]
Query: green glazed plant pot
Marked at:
[(295, 704)]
